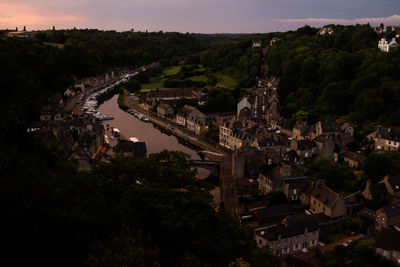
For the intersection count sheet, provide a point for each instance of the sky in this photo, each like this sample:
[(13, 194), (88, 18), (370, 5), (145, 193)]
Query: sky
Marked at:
[(195, 16)]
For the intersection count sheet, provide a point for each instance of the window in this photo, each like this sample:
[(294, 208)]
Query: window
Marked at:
[(285, 251), (296, 246), (313, 242), (304, 244), (295, 191), (260, 241), (271, 244)]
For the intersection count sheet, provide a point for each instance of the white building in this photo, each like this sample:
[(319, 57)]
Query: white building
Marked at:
[(384, 46)]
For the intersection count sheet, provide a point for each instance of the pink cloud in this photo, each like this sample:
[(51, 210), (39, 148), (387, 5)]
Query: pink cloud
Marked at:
[(391, 20), (12, 15)]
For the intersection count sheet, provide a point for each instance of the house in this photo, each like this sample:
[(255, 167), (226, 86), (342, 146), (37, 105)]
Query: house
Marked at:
[(183, 114), (164, 110), (299, 130), (274, 40), (270, 142), (273, 110), (274, 214), (286, 179), (257, 43), (375, 192), (388, 245), (196, 121), (243, 104), (236, 134), (354, 160), (325, 128), (69, 92), (21, 34), (125, 148), (387, 139), (387, 216), (386, 46), (324, 199), (392, 183), (152, 95), (326, 30), (347, 128), (292, 236), (328, 146), (304, 148)]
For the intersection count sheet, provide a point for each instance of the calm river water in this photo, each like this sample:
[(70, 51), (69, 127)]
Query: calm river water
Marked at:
[(156, 141)]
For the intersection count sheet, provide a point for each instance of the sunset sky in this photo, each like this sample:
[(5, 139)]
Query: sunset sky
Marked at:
[(200, 16)]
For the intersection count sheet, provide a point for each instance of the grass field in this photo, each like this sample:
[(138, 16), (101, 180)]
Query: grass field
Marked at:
[(226, 80), (172, 70), (154, 83), (200, 78), (61, 46)]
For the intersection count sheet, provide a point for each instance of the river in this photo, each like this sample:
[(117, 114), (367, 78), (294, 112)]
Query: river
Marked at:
[(156, 141)]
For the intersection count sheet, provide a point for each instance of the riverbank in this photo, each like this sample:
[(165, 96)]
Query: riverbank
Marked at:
[(212, 151)]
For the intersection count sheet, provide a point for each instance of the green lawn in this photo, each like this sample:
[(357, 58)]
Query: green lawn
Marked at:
[(226, 80), (154, 83), (61, 46), (172, 70), (199, 78)]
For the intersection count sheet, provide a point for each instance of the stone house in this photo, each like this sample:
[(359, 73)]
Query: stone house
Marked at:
[(324, 199), (300, 130), (293, 236), (243, 104), (386, 46), (273, 110), (125, 148), (387, 216), (164, 110), (354, 160), (196, 121), (388, 244), (387, 139), (286, 179), (375, 192), (328, 146), (274, 214), (347, 128), (306, 149), (236, 134), (183, 114), (325, 128), (392, 183)]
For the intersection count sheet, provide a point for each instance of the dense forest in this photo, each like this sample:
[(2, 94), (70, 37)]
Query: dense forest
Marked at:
[(132, 212), (141, 212), (340, 75)]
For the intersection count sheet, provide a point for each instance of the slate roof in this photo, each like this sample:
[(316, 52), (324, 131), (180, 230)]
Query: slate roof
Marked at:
[(326, 195), (301, 126), (124, 146), (280, 210), (388, 239), (394, 181), (305, 144), (388, 133), (139, 149), (392, 209), (378, 191), (298, 183), (354, 156), (294, 227)]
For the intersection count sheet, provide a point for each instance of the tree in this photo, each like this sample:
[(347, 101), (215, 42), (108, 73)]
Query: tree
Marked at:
[(376, 166)]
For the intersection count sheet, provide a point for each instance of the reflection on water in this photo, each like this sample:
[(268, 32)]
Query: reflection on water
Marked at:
[(156, 141)]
